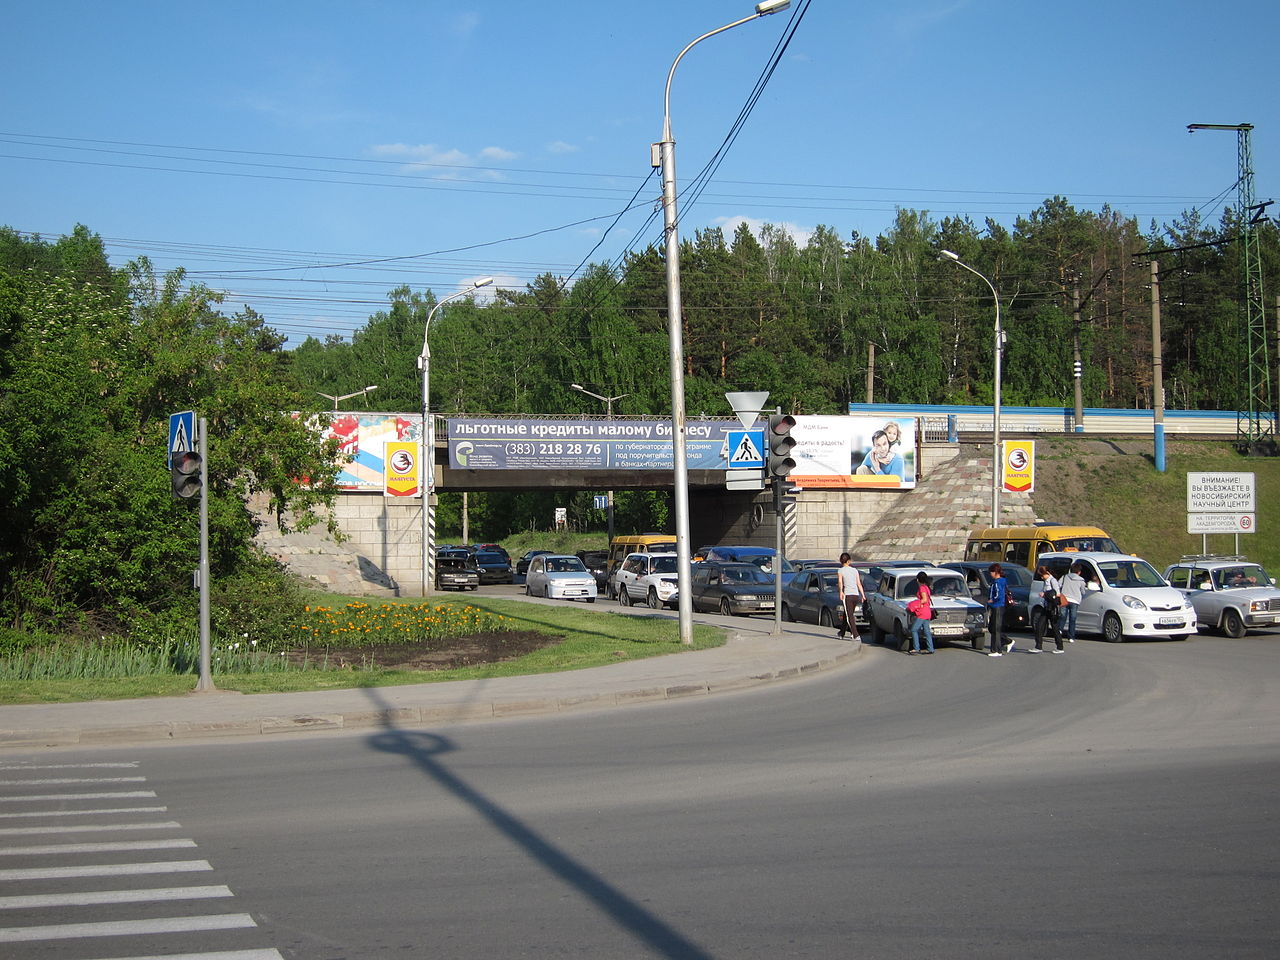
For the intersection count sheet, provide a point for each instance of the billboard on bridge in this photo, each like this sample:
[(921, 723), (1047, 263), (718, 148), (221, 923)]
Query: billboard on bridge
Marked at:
[(851, 453), (532, 444)]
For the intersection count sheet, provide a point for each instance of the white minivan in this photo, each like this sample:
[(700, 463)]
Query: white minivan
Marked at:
[(1126, 598)]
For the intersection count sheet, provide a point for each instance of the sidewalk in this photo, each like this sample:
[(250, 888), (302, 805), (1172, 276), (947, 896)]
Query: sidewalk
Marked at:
[(752, 656)]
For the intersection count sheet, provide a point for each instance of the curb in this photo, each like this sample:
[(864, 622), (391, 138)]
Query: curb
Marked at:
[(449, 711)]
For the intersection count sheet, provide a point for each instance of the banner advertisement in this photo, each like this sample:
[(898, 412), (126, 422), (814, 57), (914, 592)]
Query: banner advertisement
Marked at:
[(585, 444), (403, 469), (851, 453), (1018, 466), (362, 439)]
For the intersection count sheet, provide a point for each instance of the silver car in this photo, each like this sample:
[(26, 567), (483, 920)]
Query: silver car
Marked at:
[(956, 615), (1230, 594), (559, 577)]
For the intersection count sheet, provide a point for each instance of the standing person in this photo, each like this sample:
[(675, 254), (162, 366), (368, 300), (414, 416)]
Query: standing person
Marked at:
[(922, 607), (997, 599), (1073, 587), (850, 594), (1052, 607)]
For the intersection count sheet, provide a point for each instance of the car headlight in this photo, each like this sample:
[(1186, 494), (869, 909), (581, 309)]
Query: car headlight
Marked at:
[(1133, 603)]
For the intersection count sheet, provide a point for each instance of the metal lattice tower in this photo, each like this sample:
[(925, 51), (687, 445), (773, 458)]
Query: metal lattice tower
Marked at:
[(1255, 424)]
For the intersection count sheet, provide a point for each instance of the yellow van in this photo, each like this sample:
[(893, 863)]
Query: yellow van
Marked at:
[(1023, 545), (619, 547)]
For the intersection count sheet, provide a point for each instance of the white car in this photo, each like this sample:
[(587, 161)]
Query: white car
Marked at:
[(647, 578), (1126, 598), (559, 577)]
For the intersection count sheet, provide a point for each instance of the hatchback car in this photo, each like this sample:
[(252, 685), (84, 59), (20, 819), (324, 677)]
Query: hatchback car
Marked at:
[(732, 588), (1230, 594), (762, 557), (956, 615), (559, 577), (1126, 598), (494, 568)]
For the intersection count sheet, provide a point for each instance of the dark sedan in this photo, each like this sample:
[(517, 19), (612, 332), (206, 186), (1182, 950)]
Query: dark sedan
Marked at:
[(978, 580), (494, 568), (813, 596), (597, 561), (522, 565), (731, 588)]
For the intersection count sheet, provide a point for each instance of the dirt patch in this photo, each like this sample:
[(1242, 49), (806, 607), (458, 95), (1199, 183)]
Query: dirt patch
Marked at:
[(446, 655)]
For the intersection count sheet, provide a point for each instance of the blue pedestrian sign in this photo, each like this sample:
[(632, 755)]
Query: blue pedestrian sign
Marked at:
[(182, 434), (746, 449)]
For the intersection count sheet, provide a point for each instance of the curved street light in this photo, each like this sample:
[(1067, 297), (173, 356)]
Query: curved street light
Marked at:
[(996, 459), (666, 158), (428, 434), (347, 396)]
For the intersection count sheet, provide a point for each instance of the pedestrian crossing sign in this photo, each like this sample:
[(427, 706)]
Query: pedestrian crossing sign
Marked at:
[(182, 434), (746, 449)]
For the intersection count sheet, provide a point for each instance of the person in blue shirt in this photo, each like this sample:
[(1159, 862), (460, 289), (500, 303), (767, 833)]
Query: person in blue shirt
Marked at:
[(997, 598), (880, 459)]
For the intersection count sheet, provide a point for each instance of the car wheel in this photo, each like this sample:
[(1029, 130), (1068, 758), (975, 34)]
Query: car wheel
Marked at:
[(1232, 623), (824, 618), (1112, 629), (624, 597), (877, 635), (591, 599), (976, 642), (786, 614), (654, 602), (725, 609), (527, 591), (900, 637)]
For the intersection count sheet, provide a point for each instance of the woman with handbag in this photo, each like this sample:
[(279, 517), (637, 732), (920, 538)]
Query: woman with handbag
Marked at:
[(1051, 595), (922, 610)]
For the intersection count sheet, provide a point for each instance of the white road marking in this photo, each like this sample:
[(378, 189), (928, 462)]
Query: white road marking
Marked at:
[(113, 845), (81, 813), (113, 765), (125, 928), (88, 828), (105, 870), (80, 796), (89, 898), (218, 955), (44, 781)]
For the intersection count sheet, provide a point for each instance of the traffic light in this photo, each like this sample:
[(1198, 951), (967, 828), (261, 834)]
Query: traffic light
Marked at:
[(184, 475), (778, 438)]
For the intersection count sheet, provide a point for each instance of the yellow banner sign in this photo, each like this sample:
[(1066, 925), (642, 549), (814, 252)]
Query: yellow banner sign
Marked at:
[(402, 470), (1018, 465)]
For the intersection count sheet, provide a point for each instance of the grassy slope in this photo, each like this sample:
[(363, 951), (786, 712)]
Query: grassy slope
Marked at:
[(1116, 486)]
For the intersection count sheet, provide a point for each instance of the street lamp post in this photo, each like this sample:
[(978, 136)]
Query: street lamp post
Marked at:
[(666, 159), (428, 435), (996, 459), (608, 402), (347, 396)]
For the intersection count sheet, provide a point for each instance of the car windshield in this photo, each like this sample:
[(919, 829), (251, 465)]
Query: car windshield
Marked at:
[(765, 562), (453, 563), (491, 558), (941, 587), (664, 565), (565, 565), (1241, 578), (1130, 573), (1085, 545), (745, 574)]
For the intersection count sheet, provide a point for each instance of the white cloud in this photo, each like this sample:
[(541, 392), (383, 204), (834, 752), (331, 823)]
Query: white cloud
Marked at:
[(442, 164), (729, 226), (559, 146)]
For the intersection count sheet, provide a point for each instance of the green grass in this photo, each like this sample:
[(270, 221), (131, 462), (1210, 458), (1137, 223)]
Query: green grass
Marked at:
[(592, 637), (1144, 510)]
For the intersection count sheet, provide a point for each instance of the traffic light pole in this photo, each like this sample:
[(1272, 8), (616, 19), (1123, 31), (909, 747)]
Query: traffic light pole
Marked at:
[(205, 683), (777, 556)]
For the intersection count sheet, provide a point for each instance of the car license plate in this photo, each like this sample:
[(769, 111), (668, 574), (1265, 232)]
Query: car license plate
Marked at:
[(944, 631), (1170, 619), (764, 603)]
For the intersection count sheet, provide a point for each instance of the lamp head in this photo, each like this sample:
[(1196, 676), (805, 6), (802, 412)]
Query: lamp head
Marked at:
[(577, 386), (482, 282), (948, 255), (771, 6)]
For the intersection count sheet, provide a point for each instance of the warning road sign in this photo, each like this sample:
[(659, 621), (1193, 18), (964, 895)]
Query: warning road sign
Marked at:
[(745, 449)]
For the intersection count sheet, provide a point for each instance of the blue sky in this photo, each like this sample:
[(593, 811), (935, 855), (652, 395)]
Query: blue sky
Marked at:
[(264, 145)]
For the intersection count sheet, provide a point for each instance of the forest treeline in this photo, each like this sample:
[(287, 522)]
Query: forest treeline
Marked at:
[(95, 356)]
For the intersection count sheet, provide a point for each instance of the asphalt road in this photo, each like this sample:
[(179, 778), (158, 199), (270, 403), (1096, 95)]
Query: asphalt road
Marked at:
[(1118, 801)]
